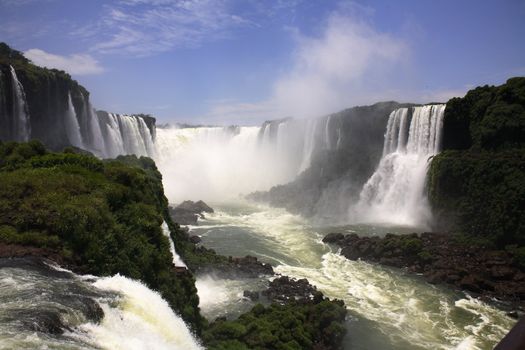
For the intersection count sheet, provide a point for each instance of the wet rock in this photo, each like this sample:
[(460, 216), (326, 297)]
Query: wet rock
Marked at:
[(333, 237), (285, 289), (501, 271), (188, 212), (44, 321), (195, 239), (235, 267), (252, 295), (440, 259), (195, 207)]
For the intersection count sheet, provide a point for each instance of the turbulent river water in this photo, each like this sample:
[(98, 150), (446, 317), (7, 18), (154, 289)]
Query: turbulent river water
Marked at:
[(388, 309), (45, 307)]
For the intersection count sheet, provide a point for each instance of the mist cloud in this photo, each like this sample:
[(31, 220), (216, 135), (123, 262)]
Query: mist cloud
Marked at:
[(339, 68)]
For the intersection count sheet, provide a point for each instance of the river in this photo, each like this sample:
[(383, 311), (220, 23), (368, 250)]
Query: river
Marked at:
[(388, 308)]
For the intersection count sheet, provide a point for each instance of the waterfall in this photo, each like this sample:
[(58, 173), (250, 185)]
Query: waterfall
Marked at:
[(93, 139), (317, 137), (177, 260), (395, 192), (126, 134), (222, 163), (35, 296), (21, 125), (72, 125)]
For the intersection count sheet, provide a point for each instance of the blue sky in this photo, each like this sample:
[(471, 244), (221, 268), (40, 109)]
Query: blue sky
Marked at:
[(246, 61)]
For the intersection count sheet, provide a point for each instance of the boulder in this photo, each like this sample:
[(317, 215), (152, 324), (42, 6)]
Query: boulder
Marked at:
[(195, 239), (252, 295), (333, 237), (188, 212)]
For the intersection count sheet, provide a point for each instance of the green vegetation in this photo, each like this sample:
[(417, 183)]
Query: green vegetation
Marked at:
[(102, 216), (296, 326), (477, 185)]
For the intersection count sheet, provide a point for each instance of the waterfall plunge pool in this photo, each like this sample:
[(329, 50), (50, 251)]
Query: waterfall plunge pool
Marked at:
[(388, 308)]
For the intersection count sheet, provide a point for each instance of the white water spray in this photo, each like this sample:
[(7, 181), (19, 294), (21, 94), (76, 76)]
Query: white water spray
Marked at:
[(395, 192), (22, 127), (142, 320), (72, 125), (218, 164), (177, 260)]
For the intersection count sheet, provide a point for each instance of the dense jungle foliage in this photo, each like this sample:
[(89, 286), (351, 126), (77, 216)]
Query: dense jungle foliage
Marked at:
[(103, 216), (477, 184)]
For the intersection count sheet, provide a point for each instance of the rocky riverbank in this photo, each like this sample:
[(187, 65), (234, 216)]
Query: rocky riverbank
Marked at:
[(299, 317), (441, 258)]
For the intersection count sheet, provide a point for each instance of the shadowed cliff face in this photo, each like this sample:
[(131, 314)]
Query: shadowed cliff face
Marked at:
[(47, 105), (336, 172)]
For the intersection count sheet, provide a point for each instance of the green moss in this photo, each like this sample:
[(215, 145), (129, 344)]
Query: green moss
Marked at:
[(280, 327)]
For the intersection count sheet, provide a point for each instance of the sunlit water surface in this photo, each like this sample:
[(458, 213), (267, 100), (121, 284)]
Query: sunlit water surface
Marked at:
[(388, 309)]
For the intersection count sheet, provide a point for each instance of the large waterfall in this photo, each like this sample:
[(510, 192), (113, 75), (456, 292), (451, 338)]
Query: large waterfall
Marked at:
[(126, 134), (20, 117), (395, 192), (221, 163), (61, 115)]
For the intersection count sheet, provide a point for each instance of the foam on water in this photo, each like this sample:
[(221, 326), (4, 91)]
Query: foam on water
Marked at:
[(409, 312), (217, 295), (141, 320), (35, 296)]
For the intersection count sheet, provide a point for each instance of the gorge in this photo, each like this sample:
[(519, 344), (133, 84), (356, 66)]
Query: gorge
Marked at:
[(277, 190)]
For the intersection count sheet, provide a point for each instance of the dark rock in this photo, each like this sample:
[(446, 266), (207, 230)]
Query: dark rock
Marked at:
[(440, 259), (333, 237), (188, 212), (252, 295), (44, 321), (285, 289), (235, 267), (183, 217), (195, 239), (501, 271)]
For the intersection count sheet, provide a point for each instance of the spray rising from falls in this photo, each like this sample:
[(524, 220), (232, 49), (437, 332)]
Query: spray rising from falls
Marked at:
[(395, 192), (221, 163), (21, 125)]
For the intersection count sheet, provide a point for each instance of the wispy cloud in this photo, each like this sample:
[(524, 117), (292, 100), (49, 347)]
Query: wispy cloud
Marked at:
[(76, 64), (344, 65), (146, 27), (347, 63)]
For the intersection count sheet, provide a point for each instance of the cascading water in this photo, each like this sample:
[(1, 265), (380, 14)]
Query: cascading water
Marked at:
[(124, 134), (95, 140), (76, 123), (217, 164), (395, 192), (47, 307), (21, 127), (72, 125), (177, 260)]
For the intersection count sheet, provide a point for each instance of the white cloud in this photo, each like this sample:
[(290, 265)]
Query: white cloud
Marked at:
[(343, 66), (146, 27), (348, 63), (76, 64)]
